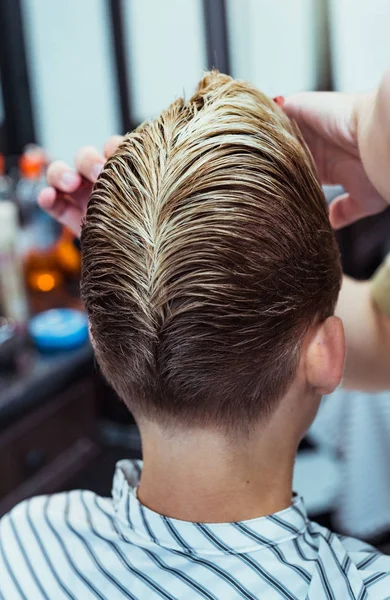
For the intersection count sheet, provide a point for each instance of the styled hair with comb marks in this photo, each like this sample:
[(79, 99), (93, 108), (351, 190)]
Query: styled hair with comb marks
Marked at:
[(207, 254)]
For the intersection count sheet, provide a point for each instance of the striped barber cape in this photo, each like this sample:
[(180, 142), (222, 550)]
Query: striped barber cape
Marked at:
[(78, 545)]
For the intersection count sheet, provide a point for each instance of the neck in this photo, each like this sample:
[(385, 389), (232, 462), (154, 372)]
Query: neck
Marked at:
[(201, 476)]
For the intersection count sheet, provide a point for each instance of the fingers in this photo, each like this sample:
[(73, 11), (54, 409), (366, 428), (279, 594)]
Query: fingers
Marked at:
[(307, 106), (47, 198), (67, 197), (61, 176), (328, 114), (344, 210), (293, 105), (89, 162), (112, 144), (61, 209)]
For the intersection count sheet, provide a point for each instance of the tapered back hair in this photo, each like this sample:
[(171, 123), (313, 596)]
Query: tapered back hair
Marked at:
[(207, 254)]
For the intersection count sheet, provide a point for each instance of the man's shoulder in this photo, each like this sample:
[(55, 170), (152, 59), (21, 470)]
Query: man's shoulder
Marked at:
[(57, 509), (39, 536), (359, 560), (365, 556), (65, 511)]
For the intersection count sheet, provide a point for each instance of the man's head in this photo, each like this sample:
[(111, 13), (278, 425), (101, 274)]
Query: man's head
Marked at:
[(207, 258)]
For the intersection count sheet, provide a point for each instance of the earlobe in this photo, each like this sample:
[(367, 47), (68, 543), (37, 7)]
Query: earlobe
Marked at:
[(325, 356)]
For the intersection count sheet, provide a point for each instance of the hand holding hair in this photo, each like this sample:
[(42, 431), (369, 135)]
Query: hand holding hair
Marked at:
[(348, 136), (67, 197)]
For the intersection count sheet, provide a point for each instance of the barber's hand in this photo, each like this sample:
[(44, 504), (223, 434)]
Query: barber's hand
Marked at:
[(67, 197), (328, 122)]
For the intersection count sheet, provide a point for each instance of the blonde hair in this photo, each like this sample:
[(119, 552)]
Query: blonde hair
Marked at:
[(207, 252)]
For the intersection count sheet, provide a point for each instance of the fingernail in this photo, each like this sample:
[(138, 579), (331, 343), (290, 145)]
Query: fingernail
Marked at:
[(279, 100), (97, 169), (69, 178)]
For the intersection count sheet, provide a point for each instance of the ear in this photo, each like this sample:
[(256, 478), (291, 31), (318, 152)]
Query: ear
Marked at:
[(325, 355)]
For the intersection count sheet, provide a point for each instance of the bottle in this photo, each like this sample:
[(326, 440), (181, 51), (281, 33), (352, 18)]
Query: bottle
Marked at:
[(12, 289), (29, 185), (39, 236), (51, 261), (5, 181), (69, 260)]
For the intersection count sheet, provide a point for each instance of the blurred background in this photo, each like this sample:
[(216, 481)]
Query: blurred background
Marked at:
[(72, 74)]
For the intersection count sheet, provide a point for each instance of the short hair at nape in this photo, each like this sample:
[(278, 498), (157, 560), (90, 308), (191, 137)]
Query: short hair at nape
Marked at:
[(207, 253)]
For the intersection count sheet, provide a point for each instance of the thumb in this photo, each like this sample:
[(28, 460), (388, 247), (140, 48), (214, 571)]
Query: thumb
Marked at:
[(312, 108), (345, 210)]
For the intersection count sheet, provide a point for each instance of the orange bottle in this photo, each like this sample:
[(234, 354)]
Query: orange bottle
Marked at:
[(39, 237), (51, 260)]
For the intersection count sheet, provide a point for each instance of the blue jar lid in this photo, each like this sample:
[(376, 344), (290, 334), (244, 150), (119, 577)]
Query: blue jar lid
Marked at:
[(59, 329)]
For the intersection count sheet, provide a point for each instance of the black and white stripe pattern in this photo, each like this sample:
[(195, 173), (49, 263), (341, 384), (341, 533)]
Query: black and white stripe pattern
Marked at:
[(78, 546)]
